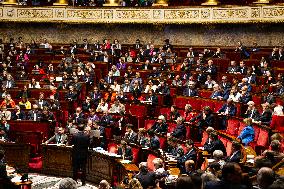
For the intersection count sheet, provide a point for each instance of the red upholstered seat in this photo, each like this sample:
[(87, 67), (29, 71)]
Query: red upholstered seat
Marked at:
[(205, 93), (263, 137), (150, 163), (195, 103), (209, 103), (171, 127), (277, 123), (112, 148), (135, 152), (256, 99), (204, 138), (180, 102), (173, 91), (108, 132), (163, 142), (218, 105), (187, 133), (229, 147), (224, 141), (233, 126), (165, 112), (241, 127), (149, 123)]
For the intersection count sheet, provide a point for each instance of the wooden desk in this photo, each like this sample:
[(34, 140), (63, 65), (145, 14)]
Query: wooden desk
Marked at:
[(17, 155), (57, 160), (35, 126)]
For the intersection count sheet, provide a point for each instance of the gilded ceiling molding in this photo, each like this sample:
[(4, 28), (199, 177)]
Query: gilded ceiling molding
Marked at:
[(202, 15)]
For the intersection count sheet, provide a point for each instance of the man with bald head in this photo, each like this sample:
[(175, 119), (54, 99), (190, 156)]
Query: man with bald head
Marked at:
[(265, 177)]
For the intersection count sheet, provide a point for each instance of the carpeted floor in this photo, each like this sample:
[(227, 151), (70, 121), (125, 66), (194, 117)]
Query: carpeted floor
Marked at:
[(52, 182)]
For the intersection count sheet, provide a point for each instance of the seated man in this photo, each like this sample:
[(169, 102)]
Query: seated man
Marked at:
[(190, 90), (189, 155), (154, 141), (142, 139), (214, 143), (251, 112), (18, 114), (180, 130), (130, 136), (174, 114), (228, 109), (59, 137), (275, 151), (34, 114), (125, 151), (4, 129), (174, 148), (160, 126), (236, 153)]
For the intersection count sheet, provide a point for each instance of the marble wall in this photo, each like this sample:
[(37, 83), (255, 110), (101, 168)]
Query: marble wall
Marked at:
[(193, 34)]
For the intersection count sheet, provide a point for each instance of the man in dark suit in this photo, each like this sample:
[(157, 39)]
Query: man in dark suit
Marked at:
[(164, 89), (214, 143), (228, 109), (80, 142), (251, 112), (59, 138), (145, 177), (125, 151), (236, 154), (34, 114), (231, 178), (190, 90), (211, 69), (130, 136), (154, 141), (4, 179), (95, 96), (217, 93), (41, 102), (242, 69), (232, 69), (146, 65), (18, 114), (180, 130), (251, 78), (87, 104), (78, 116), (266, 116), (160, 126), (189, 155)]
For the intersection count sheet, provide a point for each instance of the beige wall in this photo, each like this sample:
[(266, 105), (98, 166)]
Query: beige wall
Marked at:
[(201, 35)]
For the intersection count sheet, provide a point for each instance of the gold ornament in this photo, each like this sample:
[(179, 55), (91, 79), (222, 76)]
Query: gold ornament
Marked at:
[(261, 2), (161, 3), (61, 3), (211, 3), (10, 2), (111, 3)]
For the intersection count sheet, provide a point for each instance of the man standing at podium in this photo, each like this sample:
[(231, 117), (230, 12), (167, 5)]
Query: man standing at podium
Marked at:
[(80, 142)]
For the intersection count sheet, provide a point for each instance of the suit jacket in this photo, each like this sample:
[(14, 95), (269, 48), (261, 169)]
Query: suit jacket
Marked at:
[(160, 128), (128, 153), (10, 85), (79, 118), (86, 106), (179, 132), (242, 70), (215, 145), (225, 85), (34, 115), (146, 179), (207, 122), (42, 103), (81, 142), (190, 92), (21, 115), (279, 91), (235, 157), (3, 172), (265, 117), (246, 98), (71, 96), (153, 99), (154, 143), (216, 94), (130, 137), (165, 90), (149, 67), (212, 70), (190, 155), (232, 110), (58, 139), (232, 69), (251, 79), (254, 114)]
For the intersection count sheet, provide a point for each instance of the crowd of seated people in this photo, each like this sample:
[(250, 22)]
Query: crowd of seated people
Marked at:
[(104, 102)]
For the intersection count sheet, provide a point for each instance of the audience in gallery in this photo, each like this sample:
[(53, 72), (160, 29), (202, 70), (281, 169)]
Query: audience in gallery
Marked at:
[(123, 84)]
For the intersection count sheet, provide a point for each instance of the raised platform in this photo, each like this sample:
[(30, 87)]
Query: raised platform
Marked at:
[(177, 15)]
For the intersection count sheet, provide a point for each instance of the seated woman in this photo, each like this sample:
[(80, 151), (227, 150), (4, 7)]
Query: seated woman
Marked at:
[(8, 102), (188, 112), (247, 134), (25, 103)]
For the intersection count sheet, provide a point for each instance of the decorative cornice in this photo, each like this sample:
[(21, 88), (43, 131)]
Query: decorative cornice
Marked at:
[(178, 15)]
